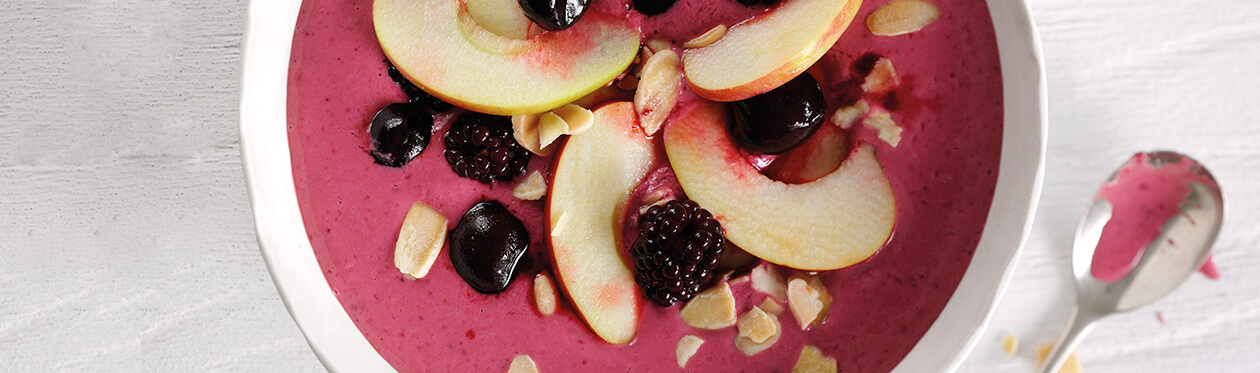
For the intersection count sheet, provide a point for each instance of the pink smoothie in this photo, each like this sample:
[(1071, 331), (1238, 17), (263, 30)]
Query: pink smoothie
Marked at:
[(1144, 194), (943, 174)]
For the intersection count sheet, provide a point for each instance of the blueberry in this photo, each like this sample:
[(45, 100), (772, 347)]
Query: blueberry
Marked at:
[(779, 120), (555, 15), (487, 245), (400, 132), (653, 7)]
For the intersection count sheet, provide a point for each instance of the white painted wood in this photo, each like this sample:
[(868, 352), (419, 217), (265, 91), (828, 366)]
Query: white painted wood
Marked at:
[(126, 241)]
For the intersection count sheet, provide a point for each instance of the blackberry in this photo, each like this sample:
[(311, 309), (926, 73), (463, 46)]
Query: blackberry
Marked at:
[(481, 147), (415, 94), (679, 246)]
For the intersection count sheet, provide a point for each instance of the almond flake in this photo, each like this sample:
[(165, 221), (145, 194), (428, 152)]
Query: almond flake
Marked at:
[(544, 294), (901, 17), (711, 309), (533, 188), (658, 90), (687, 347), (1010, 344), (558, 226), (577, 119), (629, 82), (750, 347), (655, 45), (883, 77), (808, 300), (707, 38), (813, 361), (419, 240), (1070, 366), (889, 131), (523, 364), (550, 128), (757, 325), (771, 306), (525, 130), (766, 279), (845, 117)]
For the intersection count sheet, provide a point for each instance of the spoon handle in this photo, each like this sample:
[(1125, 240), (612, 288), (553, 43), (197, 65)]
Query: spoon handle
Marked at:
[(1079, 324)]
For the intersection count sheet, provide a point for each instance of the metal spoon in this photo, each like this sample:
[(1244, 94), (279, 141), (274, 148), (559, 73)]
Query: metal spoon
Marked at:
[(1162, 268)]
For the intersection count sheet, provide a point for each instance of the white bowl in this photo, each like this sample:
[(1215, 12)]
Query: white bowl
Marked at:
[(338, 343)]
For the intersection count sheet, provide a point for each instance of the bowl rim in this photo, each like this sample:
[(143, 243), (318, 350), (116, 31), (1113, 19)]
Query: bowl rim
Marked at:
[(339, 345)]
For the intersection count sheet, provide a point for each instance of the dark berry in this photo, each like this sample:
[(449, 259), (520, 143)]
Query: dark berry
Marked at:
[(653, 7), (755, 2), (414, 93), (779, 120), (400, 132), (864, 64), (678, 247), (487, 245), (554, 15), (481, 147)]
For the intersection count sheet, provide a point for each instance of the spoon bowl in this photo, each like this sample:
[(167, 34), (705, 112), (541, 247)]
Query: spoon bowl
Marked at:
[(1182, 246)]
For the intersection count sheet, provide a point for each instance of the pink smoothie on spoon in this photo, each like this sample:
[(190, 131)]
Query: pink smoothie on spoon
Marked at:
[(942, 172)]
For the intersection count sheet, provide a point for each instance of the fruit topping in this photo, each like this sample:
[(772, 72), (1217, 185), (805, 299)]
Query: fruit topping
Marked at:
[(812, 360), (653, 7), (544, 294), (523, 364), (657, 90), (400, 132), (533, 188), (555, 15), (414, 94), (881, 121), (712, 309), (779, 120), (901, 17), (808, 299), (707, 38), (420, 240), (882, 78), (757, 324), (486, 246), (687, 347), (481, 147), (678, 247), (766, 279)]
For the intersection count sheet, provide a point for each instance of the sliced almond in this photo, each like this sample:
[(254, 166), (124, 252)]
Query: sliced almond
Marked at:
[(544, 294), (532, 188), (687, 347), (1010, 344), (750, 347), (766, 279), (658, 90), (883, 77), (812, 360), (576, 118), (523, 364), (712, 309), (1071, 366), (808, 299), (757, 325), (629, 82), (656, 45), (845, 117), (525, 130), (889, 131), (707, 38), (771, 306), (902, 17), (559, 225), (550, 128), (419, 240)]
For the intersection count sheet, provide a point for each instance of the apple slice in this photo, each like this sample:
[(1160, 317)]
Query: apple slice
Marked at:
[(766, 51), (833, 222), (440, 47), (593, 174), (819, 156)]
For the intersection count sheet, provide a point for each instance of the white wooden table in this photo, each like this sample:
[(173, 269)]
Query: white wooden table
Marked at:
[(126, 241)]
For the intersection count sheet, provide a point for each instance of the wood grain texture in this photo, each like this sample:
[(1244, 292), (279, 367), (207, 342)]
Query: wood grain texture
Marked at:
[(128, 244)]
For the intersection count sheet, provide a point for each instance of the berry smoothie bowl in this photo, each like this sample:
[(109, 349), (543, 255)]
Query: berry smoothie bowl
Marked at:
[(642, 185)]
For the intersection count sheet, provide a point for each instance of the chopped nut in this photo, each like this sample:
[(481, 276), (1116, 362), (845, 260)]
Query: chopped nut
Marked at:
[(901, 17), (757, 325), (628, 82), (1010, 344), (813, 361), (656, 45), (1071, 366), (712, 309), (766, 279), (533, 188), (707, 38), (558, 226), (771, 306), (658, 90), (605, 94), (687, 347), (419, 240), (550, 127), (846, 116), (578, 119), (808, 299), (750, 347), (525, 130), (523, 364), (544, 294), (883, 77), (889, 131)]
